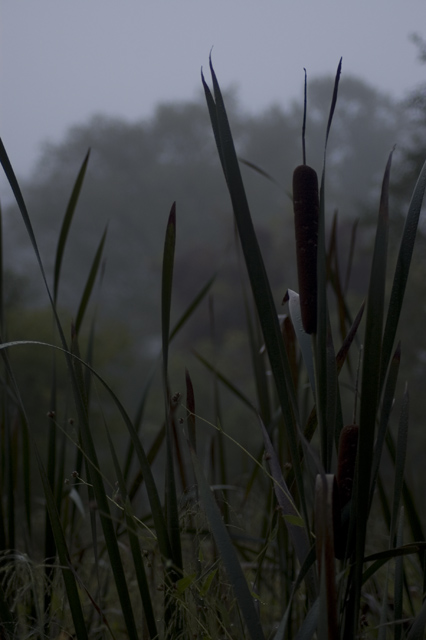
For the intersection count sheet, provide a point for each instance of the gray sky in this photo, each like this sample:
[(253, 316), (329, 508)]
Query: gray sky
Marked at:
[(63, 61)]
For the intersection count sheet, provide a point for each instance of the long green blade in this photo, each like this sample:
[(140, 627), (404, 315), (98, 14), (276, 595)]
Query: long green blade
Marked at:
[(172, 511), (259, 282), (66, 224), (90, 282), (326, 385), (401, 270), (370, 383)]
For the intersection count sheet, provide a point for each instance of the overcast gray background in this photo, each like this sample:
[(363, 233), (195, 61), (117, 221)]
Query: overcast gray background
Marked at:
[(61, 61)]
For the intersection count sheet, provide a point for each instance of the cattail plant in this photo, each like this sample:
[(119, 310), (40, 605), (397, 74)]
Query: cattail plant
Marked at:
[(346, 461), (306, 210)]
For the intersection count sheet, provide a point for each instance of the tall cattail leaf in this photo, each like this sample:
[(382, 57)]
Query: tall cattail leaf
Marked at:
[(228, 554), (255, 342), (10, 175), (90, 282), (66, 224), (401, 270), (190, 405), (351, 255), (333, 271), (191, 308), (258, 363), (333, 100), (257, 274), (387, 403), (344, 349), (167, 283), (371, 379), (171, 504), (325, 389), (310, 623), (219, 461)]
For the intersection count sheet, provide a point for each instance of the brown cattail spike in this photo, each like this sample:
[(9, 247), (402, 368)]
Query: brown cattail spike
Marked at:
[(306, 208), (346, 462)]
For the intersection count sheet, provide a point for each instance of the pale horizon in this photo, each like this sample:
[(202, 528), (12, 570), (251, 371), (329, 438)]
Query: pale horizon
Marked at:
[(62, 63)]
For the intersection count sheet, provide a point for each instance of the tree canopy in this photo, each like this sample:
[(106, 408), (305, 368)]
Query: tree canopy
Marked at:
[(138, 169)]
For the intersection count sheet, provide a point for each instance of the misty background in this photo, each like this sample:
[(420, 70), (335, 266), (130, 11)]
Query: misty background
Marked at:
[(126, 84)]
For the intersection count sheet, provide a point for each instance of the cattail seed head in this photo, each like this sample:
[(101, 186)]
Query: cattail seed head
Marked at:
[(306, 209), (348, 445), (346, 462)]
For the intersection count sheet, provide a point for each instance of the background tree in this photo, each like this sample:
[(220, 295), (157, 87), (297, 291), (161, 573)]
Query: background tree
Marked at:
[(136, 170)]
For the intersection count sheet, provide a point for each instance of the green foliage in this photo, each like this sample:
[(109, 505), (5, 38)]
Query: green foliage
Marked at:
[(270, 530)]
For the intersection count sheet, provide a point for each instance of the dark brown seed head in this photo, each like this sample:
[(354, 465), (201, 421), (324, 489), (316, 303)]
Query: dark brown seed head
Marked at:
[(348, 445), (306, 208)]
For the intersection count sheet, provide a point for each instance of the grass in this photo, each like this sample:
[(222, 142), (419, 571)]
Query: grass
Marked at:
[(279, 555)]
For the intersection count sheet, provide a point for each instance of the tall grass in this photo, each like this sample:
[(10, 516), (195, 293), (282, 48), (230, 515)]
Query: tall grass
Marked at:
[(302, 561)]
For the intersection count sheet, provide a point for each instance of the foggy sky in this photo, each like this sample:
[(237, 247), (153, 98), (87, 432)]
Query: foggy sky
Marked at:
[(60, 62)]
